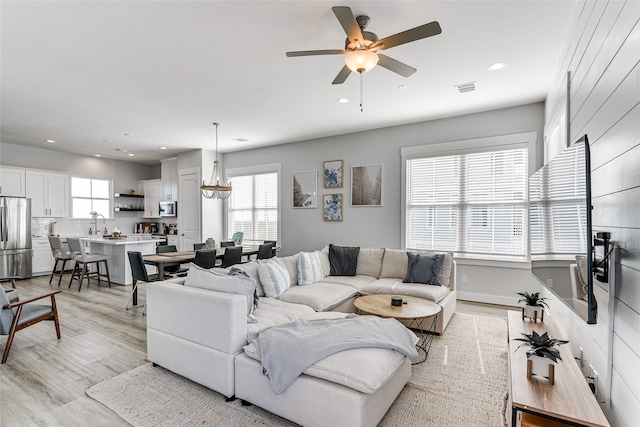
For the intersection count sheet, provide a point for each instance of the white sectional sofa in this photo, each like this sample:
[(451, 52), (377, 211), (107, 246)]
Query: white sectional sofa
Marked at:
[(204, 334)]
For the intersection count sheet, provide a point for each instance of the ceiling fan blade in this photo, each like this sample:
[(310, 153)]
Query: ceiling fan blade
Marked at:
[(348, 22), (396, 66), (342, 76), (417, 33), (315, 52)]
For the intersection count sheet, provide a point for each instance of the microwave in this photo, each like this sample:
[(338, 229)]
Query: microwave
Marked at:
[(168, 208)]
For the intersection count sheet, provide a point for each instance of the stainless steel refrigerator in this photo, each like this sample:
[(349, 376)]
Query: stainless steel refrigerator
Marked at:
[(15, 237)]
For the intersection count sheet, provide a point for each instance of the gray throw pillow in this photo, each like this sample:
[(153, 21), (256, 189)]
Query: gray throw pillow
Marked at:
[(424, 269), (343, 260)]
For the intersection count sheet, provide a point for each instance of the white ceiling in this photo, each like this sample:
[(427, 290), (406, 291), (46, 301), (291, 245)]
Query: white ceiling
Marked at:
[(87, 73)]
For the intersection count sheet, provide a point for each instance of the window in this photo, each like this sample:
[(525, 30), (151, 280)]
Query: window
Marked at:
[(471, 202), (90, 195), (253, 206)]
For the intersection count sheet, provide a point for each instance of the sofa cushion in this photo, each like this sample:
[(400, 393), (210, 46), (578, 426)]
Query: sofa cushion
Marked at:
[(251, 268), (424, 269), (309, 268), (324, 260), (395, 287), (219, 280), (291, 262), (370, 262), (343, 260), (357, 282), (319, 296), (395, 262), (362, 369), (273, 312), (274, 277)]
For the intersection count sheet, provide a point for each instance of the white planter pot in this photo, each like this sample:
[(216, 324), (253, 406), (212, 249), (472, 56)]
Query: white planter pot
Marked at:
[(533, 312), (541, 366)]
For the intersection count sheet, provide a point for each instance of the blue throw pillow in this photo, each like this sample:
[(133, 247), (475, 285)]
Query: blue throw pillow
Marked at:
[(343, 260), (424, 269)]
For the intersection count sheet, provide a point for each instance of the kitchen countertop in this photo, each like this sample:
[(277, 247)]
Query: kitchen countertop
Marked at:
[(123, 241)]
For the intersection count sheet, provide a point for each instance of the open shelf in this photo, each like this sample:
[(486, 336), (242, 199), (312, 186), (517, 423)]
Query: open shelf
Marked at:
[(138, 196)]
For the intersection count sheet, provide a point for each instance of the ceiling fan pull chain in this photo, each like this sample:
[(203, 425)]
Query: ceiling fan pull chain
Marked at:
[(361, 90)]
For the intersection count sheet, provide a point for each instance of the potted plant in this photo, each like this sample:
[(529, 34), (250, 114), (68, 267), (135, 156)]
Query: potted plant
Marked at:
[(534, 305), (542, 354)]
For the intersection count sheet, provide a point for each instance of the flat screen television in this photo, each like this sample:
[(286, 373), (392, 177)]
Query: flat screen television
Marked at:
[(560, 230)]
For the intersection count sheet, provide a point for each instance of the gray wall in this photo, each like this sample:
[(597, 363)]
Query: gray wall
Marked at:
[(602, 56), (304, 229)]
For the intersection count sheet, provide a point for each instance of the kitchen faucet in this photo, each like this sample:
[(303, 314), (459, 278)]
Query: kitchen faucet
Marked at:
[(95, 222)]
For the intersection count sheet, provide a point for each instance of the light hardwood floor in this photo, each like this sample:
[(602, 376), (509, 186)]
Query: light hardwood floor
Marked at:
[(43, 381)]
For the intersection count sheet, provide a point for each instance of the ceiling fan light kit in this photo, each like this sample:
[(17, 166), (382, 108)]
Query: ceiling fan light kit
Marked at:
[(361, 60), (216, 189)]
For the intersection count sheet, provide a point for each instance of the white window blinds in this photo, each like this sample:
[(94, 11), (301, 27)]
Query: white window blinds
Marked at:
[(558, 208), (253, 206), (468, 203)]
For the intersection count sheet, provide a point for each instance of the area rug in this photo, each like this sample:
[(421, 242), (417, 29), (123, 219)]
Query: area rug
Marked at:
[(463, 382)]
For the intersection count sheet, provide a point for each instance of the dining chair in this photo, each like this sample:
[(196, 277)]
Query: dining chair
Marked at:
[(227, 243), (237, 238), (139, 274), (198, 246), (275, 243), (15, 316), (232, 255), (265, 251), (83, 259), (170, 269), (60, 254), (206, 258)]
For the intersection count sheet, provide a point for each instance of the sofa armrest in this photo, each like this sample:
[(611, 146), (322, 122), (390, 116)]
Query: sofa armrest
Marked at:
[(213, 319)]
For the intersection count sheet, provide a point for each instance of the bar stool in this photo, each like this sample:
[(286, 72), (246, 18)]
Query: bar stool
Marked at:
[(60, 254), (83, 259)]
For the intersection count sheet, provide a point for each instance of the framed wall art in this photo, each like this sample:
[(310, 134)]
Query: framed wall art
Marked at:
[(333, 170), (305, 189), (366, 185), (332, 207)]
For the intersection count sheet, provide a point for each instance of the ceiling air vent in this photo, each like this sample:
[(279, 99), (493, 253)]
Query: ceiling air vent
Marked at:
[(466, 87)]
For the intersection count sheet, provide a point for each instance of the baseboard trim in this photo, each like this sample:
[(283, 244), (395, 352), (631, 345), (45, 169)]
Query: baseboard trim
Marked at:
[(488, 299)]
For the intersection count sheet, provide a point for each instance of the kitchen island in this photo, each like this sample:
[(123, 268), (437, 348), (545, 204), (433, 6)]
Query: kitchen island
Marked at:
[(117, 249)]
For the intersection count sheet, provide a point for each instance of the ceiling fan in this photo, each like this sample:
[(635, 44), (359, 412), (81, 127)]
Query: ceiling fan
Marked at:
[(361, 46)]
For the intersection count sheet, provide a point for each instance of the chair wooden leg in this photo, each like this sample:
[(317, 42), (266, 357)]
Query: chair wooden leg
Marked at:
[(106, 267), (74, 273), (82, 276), (12, 333), (54, 309), (55, 265), (64, 262)]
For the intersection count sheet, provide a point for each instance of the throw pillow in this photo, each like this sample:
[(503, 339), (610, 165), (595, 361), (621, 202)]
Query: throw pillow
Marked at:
[(343, 260), (424, 269), (221, 281), (309, 268), (274, 277)]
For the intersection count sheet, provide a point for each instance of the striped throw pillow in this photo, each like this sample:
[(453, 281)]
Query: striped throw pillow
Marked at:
[(274, 277), (309, 268)]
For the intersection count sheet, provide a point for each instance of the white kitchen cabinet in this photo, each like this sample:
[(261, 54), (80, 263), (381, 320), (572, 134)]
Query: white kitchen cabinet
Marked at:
[(173, 240), (169, 171), (42, 262), (49, 193), (12, 182), (152, 196)]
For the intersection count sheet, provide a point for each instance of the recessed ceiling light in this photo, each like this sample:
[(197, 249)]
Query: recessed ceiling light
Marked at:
[(128, 134), (343, 100), (240, 139), (402, 87), (163, 148), (98, 155), (497, 66), (130, 154), (50, 141)]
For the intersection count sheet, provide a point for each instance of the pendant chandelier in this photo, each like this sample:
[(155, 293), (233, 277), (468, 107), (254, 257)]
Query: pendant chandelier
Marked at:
[(216, 189)]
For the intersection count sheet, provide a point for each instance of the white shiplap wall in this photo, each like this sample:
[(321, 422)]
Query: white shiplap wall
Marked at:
[(603, 61)]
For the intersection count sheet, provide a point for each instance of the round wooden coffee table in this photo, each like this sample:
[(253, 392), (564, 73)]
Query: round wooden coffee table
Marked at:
[(414, 309)]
